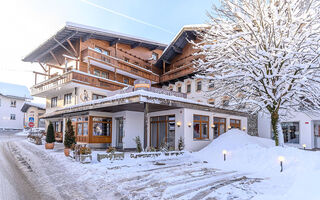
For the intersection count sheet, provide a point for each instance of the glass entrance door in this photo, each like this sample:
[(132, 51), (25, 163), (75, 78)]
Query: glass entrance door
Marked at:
[(119, 132)]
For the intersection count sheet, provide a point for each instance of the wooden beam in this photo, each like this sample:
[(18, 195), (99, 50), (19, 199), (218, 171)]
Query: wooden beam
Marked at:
[(44, 69), (164, 66), (145, 124), (72, 47), (55, 58), (64, 47), (135, 45), (54, 66), (177, 50), (111, 43), (40, 73)]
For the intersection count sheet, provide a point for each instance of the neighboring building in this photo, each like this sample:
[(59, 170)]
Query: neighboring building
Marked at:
[(93, 77), (12, 98), (33, 112), (299, 129)]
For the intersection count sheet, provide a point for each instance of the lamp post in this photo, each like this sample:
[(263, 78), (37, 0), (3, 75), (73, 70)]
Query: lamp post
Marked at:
[(304, 146), (281, 159), (224, 152)]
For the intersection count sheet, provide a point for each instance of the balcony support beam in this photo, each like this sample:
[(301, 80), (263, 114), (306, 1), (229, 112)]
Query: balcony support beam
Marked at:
[(54, 66), (44, 69), (55, 58), (72, 47), (72, 54)]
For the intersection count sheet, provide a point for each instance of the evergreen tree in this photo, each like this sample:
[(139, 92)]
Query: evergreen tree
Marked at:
[(180, 144), (69, 137), (50, 134)]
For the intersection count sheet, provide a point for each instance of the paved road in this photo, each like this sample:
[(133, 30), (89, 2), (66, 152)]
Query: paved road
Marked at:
[(13, 182)]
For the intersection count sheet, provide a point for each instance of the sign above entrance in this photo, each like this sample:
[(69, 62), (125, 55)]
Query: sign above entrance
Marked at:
[(31, 119), (142, 85)]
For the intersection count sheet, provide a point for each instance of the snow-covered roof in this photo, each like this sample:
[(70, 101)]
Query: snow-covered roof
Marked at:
[(186, 33), (14, 91), (27, 105)]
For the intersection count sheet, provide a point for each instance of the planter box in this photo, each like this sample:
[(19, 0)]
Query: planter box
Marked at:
[(110, 156), (145, 154)]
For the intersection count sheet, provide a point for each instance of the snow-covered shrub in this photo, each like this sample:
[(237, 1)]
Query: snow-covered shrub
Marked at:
[(50, 134), (138, 144), (180, 144)]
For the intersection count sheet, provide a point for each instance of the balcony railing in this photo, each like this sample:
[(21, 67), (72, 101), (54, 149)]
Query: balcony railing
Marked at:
[(76, 77), (120, 65), (177, 73)]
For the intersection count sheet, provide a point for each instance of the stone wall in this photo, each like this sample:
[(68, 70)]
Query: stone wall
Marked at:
[(253, 125)]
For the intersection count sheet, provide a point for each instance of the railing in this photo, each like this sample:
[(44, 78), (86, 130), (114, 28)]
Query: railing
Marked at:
[(78, 77), (177, 73), (120, 64)]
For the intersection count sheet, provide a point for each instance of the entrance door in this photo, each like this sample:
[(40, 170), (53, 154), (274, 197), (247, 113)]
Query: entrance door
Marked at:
[(119, 132)]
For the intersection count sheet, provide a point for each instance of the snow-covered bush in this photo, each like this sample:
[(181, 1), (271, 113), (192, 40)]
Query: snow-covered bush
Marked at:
[(138, 144)]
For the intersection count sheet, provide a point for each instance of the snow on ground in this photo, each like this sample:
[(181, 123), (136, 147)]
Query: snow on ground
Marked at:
[(252, 171)]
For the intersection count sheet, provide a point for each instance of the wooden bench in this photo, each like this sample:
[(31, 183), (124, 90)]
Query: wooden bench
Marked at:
[(110, 156)]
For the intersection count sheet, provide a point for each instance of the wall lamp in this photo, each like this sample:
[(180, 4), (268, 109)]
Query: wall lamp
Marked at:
[(189, 124), (179, 123)]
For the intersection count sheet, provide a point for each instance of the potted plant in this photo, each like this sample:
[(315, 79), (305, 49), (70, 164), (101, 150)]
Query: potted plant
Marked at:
[(50, 137), (69, 138)]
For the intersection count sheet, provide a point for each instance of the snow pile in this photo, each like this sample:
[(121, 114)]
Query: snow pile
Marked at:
[(259, 157)]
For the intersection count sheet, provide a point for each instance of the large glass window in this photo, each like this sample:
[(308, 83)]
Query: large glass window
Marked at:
[(219, 126), (82, 126), (235, 123), (200, 127), (102, 126), (291, 132), (162, 131)]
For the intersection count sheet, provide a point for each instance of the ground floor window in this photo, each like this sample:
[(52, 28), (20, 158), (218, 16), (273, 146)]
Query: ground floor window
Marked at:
[(102, 126), (82, 126), (219, 126), (200, 127), (291, 132), (162, 131), (235, 123)]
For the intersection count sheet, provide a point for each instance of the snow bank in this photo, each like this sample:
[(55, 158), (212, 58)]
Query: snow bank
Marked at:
[(259, 157)]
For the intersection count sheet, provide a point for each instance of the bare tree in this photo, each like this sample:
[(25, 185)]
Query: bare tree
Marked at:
[(264, 55)]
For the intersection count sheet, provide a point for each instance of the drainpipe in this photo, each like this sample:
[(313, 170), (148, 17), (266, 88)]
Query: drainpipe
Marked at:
[(145, 124)]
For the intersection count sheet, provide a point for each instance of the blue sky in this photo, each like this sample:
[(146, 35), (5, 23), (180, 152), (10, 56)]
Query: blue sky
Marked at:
[(28, 23)]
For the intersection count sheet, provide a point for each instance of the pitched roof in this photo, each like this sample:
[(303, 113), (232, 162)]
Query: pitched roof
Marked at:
[(176, 46), (74, 31), (14, 91), (27, 105)]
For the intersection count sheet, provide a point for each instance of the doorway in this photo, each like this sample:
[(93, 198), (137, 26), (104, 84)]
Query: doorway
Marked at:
[(119, 132)]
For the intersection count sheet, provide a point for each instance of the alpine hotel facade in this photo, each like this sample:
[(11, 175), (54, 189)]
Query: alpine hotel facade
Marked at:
[(115, 87)]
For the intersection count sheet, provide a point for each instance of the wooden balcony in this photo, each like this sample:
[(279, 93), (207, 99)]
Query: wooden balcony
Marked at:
[(74, 76), (120, 66), (177, 73)]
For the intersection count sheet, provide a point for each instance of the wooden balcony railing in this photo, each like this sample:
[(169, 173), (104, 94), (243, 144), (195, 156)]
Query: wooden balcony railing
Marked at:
[(151, 73), (177, 73), (77, 77)]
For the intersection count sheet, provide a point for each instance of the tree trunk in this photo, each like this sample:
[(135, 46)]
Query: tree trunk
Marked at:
[(276, 128)]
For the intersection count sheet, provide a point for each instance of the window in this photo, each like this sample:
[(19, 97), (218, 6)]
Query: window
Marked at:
[(200, 127), (235, 123), (291, 132), (82, 126), (97, 49), (179, 89), (67, 99), (219, 126), (211, 85), (125, 80), (13, 103), (126, 59), (97, 96), (188, 88), (12, 117), (199, 85), (101, 73), (54, 102), (102, 126), (154, 56), (162, 131), (225, 102)]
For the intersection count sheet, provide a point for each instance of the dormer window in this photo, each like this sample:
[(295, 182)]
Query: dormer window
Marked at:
[(154, 56)]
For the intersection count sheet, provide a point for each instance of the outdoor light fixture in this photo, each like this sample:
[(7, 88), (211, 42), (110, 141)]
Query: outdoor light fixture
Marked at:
[(212, 126), (281, 159), (244, 128), (229, 127), (304, 146), (224, 152), (189, 124), (178, 123)]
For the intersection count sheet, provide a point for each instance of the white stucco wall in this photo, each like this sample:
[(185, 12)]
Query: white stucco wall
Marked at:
[(6, 110)]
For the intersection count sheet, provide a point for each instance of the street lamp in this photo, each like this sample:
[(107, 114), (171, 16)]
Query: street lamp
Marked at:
[(281, 160), (224, 152)]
